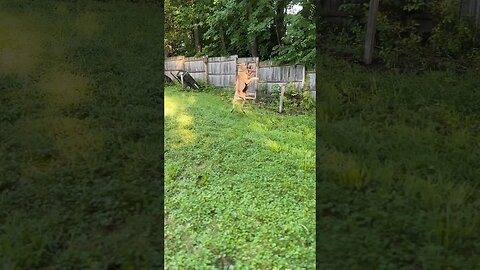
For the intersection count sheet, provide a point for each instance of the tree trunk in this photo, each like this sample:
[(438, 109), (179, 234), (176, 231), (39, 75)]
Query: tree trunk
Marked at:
[(196, 34), (223, 43), (370, 37), (254, 46), (280, 7)]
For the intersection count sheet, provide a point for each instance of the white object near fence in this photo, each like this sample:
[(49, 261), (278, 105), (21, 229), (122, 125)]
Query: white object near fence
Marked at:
[(282, 92)]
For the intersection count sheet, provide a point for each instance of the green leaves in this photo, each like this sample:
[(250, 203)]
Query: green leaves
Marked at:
[(299, 41), (232, 27), (414, 5), (404, 39)]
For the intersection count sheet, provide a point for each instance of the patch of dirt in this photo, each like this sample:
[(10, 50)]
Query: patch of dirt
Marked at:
[(224, 262)]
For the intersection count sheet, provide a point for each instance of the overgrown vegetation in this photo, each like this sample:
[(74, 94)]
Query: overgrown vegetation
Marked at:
[(403, 40), (398, 170), (80, 122), (239, 188), (245, 28), (295, 101)]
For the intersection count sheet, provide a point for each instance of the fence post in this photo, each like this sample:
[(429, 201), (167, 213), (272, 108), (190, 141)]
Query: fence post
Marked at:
[(236, 68), (303, 79), (370, 37), (282, 91), (257, 73), (205, 60), (477, 14)]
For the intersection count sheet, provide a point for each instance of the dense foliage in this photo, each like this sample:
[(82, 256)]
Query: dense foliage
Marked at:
[(404, 37), (239, 188), (294, 101), (241, 27)]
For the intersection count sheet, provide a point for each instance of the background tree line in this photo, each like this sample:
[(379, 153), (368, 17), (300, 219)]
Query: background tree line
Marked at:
[(260, 28), (402, 37)]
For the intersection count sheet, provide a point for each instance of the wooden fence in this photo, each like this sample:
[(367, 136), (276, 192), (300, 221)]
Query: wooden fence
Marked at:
[(470, 8), (332, 13), (271, 74), (222, 71), (197, 67)]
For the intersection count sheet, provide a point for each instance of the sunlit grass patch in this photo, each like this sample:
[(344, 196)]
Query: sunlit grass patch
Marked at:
[(254, 170), (176, 110), (258, 127), (171, 106), (273, 145), (184, 120)]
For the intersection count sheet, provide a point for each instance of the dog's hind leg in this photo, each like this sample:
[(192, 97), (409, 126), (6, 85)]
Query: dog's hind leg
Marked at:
[(243, 105)]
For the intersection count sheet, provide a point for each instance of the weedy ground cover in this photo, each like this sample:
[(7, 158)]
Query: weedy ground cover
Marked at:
[(80, 122), (239, 188), (399, 169)]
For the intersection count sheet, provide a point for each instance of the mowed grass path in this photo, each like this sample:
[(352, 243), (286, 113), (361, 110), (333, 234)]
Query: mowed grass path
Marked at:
[(239, 188), (80, 129)]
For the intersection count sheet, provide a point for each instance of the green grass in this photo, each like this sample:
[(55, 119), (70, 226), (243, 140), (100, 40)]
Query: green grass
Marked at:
[(239, 188), (80, 122), (398, 169)]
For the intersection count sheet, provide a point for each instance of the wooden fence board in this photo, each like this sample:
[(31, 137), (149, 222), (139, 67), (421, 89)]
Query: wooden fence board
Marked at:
[(222, 72), (311, 84), (470, 8)]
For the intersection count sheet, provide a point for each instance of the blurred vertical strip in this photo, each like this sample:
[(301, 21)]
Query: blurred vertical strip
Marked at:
[(318, 7)]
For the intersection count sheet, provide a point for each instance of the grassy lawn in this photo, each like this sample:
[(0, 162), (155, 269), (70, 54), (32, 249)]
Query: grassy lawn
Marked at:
[(239, 188), (80, 122), (399, 169)]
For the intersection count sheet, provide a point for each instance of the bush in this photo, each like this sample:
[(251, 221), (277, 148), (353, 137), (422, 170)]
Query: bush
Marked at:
[(294, 101), (307, 102), (400, 43)]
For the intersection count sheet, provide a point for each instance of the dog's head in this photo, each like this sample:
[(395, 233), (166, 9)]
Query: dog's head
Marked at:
[(250, 71), (243, 67)]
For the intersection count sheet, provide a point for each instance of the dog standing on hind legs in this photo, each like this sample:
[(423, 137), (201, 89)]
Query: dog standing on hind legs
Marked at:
[(244, 77)]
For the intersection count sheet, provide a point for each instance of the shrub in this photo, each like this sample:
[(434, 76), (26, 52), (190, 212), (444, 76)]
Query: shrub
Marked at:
[(307, 102), (399, 40)]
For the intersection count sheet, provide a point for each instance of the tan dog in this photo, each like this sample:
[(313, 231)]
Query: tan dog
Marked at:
[(244, 77)]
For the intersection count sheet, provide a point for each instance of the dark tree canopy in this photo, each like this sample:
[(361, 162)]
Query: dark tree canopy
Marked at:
[(265, 28)]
